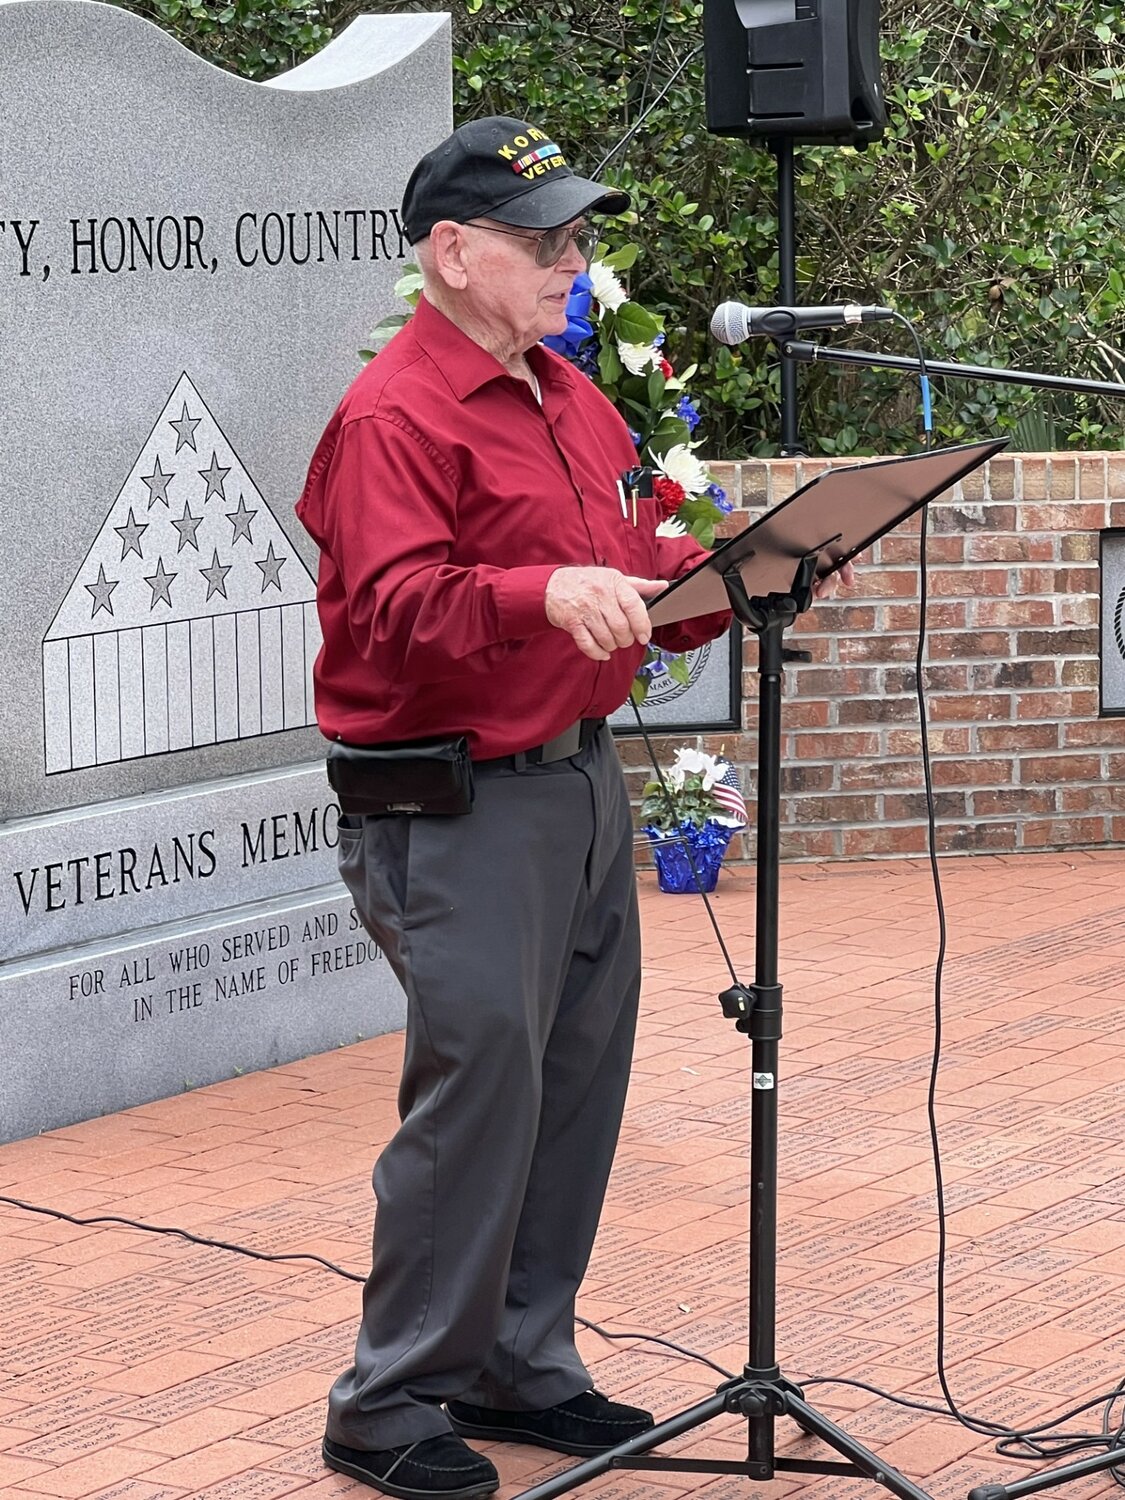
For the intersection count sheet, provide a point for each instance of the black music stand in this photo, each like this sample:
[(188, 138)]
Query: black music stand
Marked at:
[(766, 575)]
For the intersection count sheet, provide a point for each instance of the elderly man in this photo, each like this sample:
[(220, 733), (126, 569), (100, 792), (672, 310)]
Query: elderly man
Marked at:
[(480, 578)]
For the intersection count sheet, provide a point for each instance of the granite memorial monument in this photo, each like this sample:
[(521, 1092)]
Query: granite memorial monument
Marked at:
[(190, 263)]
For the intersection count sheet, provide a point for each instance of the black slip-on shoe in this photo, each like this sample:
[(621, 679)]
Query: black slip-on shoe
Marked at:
[(437, 1468), (586, 1424)]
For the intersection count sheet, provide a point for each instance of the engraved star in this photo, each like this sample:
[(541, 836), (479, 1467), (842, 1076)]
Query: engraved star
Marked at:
[(185, 430), (100, 591), (271, 569), (216, 576), (161, 585), (240, 519), (187, 526), (130, 535), (157, 483), (214, 477)]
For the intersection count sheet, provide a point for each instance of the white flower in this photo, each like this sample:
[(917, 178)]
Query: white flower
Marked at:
[(714, 773), (681, 464), (690, 761), (671, 527), (697, 763), (674, 778), (637, 358), (607, 289)]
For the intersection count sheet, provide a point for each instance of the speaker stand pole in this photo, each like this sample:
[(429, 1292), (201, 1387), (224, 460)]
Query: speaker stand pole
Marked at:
[(791, 445)]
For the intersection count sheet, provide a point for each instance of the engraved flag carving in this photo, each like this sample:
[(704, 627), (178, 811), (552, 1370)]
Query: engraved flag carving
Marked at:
[(191, 620)]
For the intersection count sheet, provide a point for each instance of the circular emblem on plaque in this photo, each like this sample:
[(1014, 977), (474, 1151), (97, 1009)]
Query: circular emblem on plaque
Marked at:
[(1117, 626), (663, 687)]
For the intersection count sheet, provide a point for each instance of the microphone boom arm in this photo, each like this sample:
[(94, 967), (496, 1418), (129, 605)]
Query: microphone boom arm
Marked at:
[(809, 353)]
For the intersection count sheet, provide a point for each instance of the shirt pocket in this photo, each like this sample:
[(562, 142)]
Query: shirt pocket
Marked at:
[(640, 540)]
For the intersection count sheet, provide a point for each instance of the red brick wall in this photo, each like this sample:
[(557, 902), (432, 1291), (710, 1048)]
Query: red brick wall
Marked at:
[(1021, 759)]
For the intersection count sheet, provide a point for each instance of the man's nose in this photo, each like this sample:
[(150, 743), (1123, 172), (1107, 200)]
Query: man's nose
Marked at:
[(572, 258)]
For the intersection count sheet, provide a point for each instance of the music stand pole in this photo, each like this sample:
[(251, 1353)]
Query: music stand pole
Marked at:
[(761, 1394)]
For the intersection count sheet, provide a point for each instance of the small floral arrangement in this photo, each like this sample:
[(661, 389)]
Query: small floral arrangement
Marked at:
[(703, 789)]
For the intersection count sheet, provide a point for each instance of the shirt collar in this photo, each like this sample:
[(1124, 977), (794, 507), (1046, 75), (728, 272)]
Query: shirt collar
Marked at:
[(466, 366)]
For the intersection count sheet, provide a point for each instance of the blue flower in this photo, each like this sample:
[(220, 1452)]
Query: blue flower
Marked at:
[(687, 413), (654, 668), (636, 439), (578, 325), (581, 297), (718, 497), (586, 360)]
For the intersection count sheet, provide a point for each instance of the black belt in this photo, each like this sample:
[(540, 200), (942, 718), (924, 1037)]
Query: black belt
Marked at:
[(564, 745)]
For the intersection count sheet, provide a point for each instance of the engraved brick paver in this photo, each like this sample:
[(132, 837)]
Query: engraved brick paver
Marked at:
[(141, 1367)]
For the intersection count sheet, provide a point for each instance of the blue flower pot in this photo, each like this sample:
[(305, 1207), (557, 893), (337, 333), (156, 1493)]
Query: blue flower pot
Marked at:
[(674, 864)]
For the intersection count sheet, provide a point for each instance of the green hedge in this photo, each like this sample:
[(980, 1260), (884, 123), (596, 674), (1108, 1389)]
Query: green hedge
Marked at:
[(993, 211)]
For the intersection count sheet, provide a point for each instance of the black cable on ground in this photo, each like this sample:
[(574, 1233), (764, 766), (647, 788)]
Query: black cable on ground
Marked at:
[(183, 1234)]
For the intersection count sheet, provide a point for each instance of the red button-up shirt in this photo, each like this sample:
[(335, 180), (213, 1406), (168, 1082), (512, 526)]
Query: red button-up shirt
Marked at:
[(442, 497)]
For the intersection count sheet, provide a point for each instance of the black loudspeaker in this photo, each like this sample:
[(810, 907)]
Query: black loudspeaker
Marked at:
[(807, 70)]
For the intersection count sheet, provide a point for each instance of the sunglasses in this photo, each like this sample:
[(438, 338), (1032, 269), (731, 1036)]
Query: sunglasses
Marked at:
[(550, 246)]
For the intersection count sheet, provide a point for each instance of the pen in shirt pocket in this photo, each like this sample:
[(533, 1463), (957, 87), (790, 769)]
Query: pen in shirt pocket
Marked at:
[(632, 483)]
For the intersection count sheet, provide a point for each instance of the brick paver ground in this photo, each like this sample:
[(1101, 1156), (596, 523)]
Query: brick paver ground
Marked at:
[(135, 1366)]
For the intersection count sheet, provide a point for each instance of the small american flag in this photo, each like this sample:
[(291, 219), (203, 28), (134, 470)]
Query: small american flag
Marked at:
[(728, 794)]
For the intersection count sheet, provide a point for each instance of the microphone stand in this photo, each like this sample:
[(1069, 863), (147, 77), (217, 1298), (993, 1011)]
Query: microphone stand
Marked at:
[(785, 1397), (793, 350), (796, 350)]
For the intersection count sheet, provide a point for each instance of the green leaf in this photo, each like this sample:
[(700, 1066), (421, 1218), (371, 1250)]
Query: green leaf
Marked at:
[(390, 324), (668, 432), (678, 668), (623, 259), (409, 285), (639, 408), (609, 365), (634, 325)]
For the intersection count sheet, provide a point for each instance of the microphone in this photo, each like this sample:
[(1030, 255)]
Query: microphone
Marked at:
[(734, 321)]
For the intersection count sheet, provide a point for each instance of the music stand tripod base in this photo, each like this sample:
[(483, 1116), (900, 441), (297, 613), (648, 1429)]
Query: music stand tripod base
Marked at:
[(761, 1395)]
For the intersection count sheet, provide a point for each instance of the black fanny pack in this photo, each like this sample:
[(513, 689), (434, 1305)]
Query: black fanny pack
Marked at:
[(429, 776)]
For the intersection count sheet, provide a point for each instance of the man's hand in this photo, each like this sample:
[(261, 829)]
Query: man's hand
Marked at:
[(824, 588), (600, 608)]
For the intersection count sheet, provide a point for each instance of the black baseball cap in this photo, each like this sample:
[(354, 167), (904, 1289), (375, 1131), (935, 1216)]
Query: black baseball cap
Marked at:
[(504, 169)]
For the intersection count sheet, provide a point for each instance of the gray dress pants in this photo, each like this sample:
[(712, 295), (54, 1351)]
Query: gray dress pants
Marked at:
[(514, 933)]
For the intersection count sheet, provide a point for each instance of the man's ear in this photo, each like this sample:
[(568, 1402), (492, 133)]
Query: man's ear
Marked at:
[(448, 244)]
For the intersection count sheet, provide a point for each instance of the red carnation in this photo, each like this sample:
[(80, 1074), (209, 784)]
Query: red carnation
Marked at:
[(666, 369), (670, 495)]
